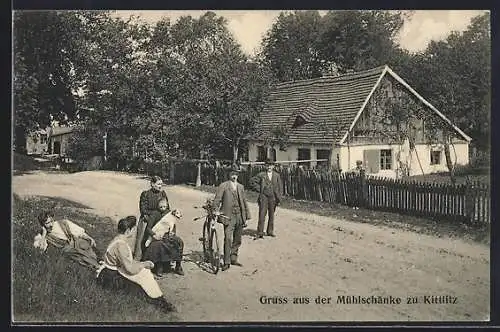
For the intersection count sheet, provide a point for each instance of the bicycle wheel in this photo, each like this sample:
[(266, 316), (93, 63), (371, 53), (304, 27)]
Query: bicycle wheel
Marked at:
[(214, 248), (205, 242)]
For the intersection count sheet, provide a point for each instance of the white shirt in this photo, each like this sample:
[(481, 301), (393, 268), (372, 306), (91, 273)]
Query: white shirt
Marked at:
[(57, 231), (234, 185), (270, 175)]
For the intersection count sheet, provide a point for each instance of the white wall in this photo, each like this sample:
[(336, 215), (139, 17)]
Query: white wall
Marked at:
[(349, 155), (292, 152), (460, 154), (36, 146)]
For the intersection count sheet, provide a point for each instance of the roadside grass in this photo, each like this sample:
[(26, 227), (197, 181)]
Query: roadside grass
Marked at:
[(439, 228), (47, 287), (444, 178)]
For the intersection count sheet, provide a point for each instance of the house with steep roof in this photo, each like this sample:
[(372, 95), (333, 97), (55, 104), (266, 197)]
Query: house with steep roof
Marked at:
[(52, 140), (373, 116), (59, 139)]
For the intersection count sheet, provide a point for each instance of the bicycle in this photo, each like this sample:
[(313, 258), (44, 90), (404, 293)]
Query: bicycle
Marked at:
[(210, 240)]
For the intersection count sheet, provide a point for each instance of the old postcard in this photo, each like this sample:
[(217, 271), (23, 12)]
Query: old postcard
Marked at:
[(310, 166)]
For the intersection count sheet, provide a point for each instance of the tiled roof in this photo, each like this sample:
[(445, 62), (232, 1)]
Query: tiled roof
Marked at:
[(324, 103)]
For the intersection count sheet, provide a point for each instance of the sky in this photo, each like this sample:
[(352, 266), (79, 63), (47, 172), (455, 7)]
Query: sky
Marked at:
[(249, 26)]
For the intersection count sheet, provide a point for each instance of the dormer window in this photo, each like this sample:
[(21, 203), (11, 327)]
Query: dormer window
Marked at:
[(302, 116), (299, 121)]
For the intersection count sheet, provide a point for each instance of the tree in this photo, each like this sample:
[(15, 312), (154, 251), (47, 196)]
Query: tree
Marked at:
[(303, 45), (359, 39), (218, 91), (458, 78), (290, 47), (241, 104), (46, 68), (118, 90)]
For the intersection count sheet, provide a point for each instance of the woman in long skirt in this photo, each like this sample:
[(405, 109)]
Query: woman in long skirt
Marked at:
[(165, 246), (120, 270)]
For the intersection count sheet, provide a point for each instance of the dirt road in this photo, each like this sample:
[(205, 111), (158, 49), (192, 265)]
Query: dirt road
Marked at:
[(311, 256)]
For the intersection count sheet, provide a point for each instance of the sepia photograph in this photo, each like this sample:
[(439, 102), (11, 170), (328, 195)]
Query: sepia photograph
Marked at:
[(250, 166)]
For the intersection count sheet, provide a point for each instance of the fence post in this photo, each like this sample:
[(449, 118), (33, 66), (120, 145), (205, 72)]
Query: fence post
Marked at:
[(172, 171), (216, 171), (469, 201), (198, 175), (362, 188)]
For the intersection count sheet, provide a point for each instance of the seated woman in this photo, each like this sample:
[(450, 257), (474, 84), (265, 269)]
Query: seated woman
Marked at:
[(120, 270), (164, 247), (75, 243)]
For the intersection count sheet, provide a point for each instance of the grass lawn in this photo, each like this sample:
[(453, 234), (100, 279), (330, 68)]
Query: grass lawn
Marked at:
[(445, 178), (440, 228), (49, 288)]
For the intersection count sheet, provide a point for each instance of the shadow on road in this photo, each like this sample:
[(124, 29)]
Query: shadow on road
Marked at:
[(249, 232), (196, 257)]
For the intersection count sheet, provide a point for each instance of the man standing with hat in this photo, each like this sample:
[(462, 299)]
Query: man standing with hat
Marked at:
[(230, 200), (268, 185)]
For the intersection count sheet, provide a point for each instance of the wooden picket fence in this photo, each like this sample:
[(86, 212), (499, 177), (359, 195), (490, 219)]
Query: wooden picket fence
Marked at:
[(466, 202)]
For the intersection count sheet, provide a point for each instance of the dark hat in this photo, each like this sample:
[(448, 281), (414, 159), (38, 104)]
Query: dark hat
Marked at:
[(269, 162), (234, 170)]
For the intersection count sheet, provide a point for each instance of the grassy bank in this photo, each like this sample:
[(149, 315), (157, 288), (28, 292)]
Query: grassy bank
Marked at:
[(49, 288), (480, 234)]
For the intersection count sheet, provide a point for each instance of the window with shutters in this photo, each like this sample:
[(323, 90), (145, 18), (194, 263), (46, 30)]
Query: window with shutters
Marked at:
[(371, 161), (385, 159)]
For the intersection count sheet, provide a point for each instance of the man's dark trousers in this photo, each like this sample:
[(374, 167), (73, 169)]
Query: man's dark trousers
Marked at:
[(267, 205), (232, 238)]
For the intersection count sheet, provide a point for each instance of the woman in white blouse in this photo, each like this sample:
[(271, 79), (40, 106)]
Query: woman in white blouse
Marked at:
[(120, 268), (72, 239)]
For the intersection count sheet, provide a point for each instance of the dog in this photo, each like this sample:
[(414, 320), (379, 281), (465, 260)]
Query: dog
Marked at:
[(166, 225)]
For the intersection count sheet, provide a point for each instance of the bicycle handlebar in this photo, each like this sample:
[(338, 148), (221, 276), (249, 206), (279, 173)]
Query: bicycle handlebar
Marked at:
[(220, 215)]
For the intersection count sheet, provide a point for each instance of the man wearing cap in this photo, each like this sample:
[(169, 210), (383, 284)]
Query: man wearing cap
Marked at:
[(359, 170), (268, 185), (230, 200)]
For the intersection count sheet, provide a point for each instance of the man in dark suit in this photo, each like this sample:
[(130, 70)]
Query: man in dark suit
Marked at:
[(268, 185), (230, 200)]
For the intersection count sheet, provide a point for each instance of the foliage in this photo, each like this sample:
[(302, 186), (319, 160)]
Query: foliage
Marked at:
[(458, 78), (279, 136), (359, 39), (219, 93), (290, 47), (45, 45), (302, 44)]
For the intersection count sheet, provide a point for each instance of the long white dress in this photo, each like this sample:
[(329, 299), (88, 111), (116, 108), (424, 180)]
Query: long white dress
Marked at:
[(117, 255)]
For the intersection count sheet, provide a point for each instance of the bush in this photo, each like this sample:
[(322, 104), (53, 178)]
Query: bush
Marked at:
[(480, 160), (463, 170), (24, 163)]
